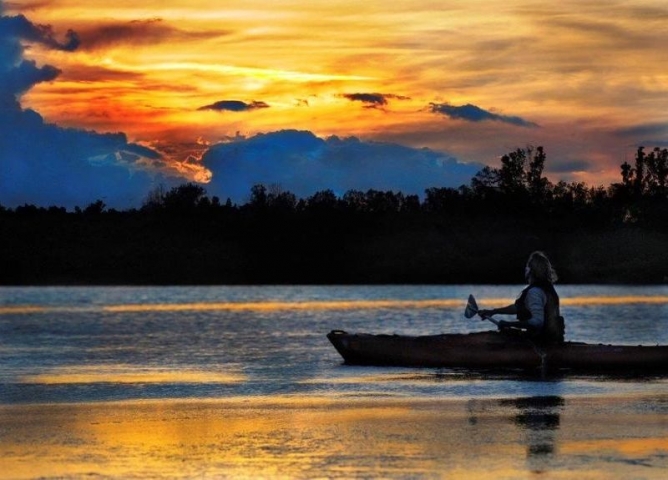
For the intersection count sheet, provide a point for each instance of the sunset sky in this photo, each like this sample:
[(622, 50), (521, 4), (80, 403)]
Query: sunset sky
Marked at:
[(413, 91)]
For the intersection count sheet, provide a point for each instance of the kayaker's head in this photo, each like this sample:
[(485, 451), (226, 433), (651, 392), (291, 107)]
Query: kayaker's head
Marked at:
[(539, 269)]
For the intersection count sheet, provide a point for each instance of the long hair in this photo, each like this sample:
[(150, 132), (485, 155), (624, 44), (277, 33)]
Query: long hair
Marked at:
[(540, 268)]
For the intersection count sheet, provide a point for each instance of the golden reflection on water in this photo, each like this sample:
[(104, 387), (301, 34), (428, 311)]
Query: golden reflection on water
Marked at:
[(279, 306), (127, 374), (629, 447), (583, 301), (21, 309), (301, 437), (629, 299), (380, 376)]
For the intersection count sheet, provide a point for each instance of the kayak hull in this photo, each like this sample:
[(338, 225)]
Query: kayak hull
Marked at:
[(494, 350)]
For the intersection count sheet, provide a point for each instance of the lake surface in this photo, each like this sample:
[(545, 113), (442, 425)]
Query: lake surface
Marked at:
[(240, 382)]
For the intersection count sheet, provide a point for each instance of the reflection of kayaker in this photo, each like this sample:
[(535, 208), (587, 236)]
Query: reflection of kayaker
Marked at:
[(537, 308), (539, 418)]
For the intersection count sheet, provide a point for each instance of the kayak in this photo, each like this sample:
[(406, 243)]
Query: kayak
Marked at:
[(495, 350)]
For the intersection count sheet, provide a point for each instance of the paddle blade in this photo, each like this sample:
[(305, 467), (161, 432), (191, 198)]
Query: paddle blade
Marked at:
[(471, 307)]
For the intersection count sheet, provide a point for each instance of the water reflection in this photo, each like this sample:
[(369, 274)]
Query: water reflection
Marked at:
[(338, 437), (319, 305), (126, 374), (93, 382), (539, 418), (260, 306)]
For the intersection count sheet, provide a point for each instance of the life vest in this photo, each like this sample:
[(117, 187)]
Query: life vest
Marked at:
[(553, 323)]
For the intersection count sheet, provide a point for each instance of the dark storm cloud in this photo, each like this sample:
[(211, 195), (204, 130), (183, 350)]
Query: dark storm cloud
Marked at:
[(17, 74), (303, 164), (571, 166), (372, 100), (234, 106), (45, 164), (20, 27), (647, 135), (644, 130), (18, 80), (472, 113)]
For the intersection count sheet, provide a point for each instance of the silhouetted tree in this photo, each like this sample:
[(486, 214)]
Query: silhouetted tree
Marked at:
[(154, 199), (656, 163), (322, 201), (649, 175), (520, 177), (95, 208), (627, 175), (284, 202), (538, 184), (441, 200), (355, 201), (383, 201), (258, 197), (27, 210), (184, 198), (411, 204), (512, 175), (485, 182), (639, 172)]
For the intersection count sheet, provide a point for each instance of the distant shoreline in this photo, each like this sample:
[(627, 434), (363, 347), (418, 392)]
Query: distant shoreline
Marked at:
[(371, 238)]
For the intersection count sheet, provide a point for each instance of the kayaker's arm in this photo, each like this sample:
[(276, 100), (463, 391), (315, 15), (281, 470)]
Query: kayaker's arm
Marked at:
[(515, 324), (508, 310)]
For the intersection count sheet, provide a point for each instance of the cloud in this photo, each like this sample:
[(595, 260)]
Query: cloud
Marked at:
[(472, 113), (303, 164), (373, 100), (234, 106), (45, 164), (137, 32), (20, 28), (646, 135), (19, 75), (570, 166), (18, 80), (644, 130)]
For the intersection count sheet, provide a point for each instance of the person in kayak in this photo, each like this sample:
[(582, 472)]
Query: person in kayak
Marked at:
[(537, 307)]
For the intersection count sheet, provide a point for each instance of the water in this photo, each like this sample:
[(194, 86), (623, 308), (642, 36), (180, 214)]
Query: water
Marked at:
[(247, 377)]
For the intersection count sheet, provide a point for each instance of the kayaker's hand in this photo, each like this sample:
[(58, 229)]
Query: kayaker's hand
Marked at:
[(503, 325), (485, 313)]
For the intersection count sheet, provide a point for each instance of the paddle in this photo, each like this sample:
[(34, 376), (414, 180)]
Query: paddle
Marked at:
[(472, 310)]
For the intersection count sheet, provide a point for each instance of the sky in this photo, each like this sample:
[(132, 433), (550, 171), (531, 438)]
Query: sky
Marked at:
[(107, 100)]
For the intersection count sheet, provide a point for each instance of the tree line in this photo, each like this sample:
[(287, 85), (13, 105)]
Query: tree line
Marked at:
[(477, 233)]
